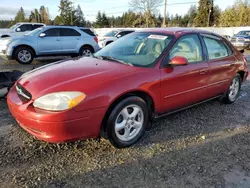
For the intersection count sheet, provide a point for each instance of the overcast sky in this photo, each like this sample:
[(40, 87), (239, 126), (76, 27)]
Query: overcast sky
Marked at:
[(8, 8)]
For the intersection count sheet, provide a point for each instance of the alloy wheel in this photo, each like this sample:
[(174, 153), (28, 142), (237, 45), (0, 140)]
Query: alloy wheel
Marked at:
[(25, 56)]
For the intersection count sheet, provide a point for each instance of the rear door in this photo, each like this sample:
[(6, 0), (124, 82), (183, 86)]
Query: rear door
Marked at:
[(70, 40), (51, 43), (221, 63), (184, 85)]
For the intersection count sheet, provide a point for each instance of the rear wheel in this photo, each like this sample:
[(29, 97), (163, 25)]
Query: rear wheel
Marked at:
[(86, 51), (233, 91), (127, 122), (24, 55)]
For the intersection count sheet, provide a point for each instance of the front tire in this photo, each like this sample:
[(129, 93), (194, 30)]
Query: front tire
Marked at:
[(24, 55), (86, 51), (127, 122), (233, 91)]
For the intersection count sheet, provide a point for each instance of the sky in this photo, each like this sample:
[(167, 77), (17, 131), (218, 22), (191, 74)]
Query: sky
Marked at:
[(8, 8)]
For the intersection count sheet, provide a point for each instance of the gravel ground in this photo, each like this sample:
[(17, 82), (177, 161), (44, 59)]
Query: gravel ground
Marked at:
[(205, 146)]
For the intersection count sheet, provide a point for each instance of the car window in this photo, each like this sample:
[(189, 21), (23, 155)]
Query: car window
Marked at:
[(26, 27), (188, 46), (35, 26), (55, 32), (244, 33), (111, 34), (88, 31), (139, 48), (65, 32), (216, 48)]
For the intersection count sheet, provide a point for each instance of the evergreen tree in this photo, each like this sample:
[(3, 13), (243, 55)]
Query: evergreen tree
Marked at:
[(67, 12), (44, 15), (204, 14), (80, 20), (20, 16)]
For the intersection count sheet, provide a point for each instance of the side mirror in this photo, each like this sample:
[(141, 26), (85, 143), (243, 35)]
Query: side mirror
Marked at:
[(179, 61), (42, 35), (18, 30), (118, 36)]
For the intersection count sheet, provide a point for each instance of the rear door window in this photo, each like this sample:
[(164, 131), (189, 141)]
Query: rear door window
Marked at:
[(215, 47), (65, 32)]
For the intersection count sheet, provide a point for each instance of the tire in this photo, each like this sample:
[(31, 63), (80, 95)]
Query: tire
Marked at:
[(233, 91), (86, 51), (24, 55), (125, 129)]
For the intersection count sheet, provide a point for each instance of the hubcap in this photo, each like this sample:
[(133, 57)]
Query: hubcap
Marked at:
[(24, 56), (129, 122), (234, 89), (86, 52)]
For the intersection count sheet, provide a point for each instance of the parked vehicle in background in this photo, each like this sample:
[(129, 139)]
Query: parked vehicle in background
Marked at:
[(227, 37), (115, 93), (19, 29), (241, 40), (51, 41), (112, 36)]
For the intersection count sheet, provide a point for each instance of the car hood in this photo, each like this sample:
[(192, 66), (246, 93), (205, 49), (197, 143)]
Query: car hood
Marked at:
[(81, 74), (5, 31)]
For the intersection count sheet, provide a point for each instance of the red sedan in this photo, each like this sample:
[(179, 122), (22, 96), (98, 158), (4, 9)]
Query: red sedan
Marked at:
[(115, 93)]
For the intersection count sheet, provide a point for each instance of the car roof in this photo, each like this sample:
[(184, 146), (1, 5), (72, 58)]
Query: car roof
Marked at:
[(30, 23), (63, 26), (177, 30)]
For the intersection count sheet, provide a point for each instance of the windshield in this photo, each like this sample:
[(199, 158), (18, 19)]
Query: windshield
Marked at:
[(244, 33), (32, 33), (137, 49), (111, 34), (14, 26)]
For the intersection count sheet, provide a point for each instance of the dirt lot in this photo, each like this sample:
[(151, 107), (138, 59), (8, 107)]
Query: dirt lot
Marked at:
[(205, 146)]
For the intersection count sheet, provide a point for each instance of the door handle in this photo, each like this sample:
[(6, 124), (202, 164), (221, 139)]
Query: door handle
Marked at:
[(202, 72)]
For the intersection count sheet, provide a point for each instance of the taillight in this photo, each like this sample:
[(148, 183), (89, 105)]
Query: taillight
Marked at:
[(96, 39)]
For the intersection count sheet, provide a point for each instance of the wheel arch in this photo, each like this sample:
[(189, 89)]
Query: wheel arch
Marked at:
[(23, 45), (137, 93), (87, 45), (242, 74)]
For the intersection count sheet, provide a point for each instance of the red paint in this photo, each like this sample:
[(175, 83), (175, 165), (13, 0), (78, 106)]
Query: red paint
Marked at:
[(103, 82), (179, 61)]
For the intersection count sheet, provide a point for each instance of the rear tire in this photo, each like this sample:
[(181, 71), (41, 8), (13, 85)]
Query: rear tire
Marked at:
[(233, 91), (86, 51), (127, 122), (24, 55)]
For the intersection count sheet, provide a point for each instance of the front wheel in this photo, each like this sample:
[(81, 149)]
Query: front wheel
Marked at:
[(127, 122), (24, 55), (233, 91)]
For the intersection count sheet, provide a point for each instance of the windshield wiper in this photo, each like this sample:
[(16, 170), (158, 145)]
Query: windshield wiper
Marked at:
[(113, 59)]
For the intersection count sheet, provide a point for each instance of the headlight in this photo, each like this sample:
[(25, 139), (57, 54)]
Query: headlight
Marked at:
[(59, 101)]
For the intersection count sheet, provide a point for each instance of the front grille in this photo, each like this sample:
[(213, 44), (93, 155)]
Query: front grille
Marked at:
[(23, 93), (238, 40)]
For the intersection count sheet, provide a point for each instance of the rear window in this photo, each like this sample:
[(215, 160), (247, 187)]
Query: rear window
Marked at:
[(88, 31)]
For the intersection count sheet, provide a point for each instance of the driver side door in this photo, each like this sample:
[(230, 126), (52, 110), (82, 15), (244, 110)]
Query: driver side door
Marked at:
[(182, 86)]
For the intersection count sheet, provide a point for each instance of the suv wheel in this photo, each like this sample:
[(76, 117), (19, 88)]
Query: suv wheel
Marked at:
[(233, 91), (86, 51), (24, 55), (127, 122)]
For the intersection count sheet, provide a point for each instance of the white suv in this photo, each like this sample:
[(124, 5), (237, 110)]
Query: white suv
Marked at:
[(19, 29)]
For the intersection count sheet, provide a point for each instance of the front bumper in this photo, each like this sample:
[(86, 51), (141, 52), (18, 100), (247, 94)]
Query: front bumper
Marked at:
[(55, 126), (240, 45)]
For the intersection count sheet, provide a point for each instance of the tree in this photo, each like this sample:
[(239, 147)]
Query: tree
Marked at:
[(192, 13), (67, 12), (80, 20), (98, 22), (20, 16), (44, 15), (58, 21), (145, 6), (204, 14)]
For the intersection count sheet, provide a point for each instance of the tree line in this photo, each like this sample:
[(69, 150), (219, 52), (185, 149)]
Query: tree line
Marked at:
[(142, 14)]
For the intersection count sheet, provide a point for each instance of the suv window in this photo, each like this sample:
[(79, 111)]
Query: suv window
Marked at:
[(55, 32), (26, 27), (68, 32), (88, 31), (216, 48), (37, 26), (187, 46)]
